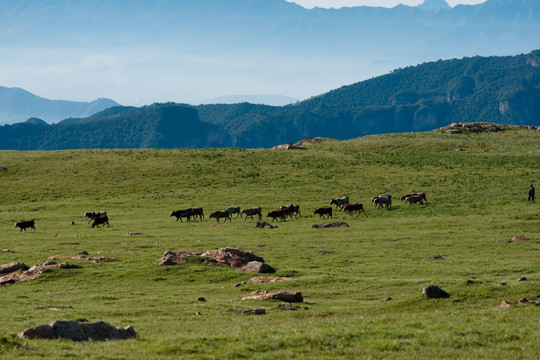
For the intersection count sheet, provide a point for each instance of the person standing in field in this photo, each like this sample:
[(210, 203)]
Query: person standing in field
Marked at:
[(531, 193)]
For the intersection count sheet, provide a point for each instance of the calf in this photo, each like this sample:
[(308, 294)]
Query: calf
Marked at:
[(278, 214), (222, 214), (23, 225), (196, 212), (323, 211), (413, 200), (101, 220), (251, 212), (352, 208), (381, 200), (233, 210), (421, 195), (291, 210), (340, 201)]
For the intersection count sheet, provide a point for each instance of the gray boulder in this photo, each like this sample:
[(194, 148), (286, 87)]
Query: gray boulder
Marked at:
[(73, 330), (12, 267), (258, 268), (434, 292)]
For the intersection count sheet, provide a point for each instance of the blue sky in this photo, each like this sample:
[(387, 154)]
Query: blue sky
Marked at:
[(136, 70)]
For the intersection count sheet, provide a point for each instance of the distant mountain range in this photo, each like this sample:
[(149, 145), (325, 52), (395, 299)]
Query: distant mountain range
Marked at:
[(18, 105), (503, 90)]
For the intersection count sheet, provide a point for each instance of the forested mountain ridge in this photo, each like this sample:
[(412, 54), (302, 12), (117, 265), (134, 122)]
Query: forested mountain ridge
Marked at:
[(154, 126), (504, 90)]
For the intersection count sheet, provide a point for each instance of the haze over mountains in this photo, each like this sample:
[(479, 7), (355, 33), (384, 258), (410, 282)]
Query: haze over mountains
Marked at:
[(503, 90), (17, 105), (144, 51)]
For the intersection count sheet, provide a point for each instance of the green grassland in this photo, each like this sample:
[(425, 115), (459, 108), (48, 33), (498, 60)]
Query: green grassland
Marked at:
[(476, 196)]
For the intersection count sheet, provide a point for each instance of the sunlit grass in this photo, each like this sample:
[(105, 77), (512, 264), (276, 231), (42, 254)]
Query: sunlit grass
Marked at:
[(475, 197)]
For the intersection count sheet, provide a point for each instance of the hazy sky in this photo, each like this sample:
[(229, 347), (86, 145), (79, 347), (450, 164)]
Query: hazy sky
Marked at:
[(139, 71), (386, 3)]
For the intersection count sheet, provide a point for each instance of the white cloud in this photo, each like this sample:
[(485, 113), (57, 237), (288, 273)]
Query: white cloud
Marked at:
[(384, 3)]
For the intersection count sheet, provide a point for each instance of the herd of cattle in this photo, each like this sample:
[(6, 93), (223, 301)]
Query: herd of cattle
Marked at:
[(100, 217), (292, 210)]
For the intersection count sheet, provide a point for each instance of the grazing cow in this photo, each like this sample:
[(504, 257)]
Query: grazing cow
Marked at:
[(222, 214), (421, 195), (196, 212), (23, 225), (413, 200), (233, 210), (323, 211), (100, 220), (94, 214), (281, 214), (340, 201), (291, 210), (251, 212), (381, 200), (352, 208), (179, 214)]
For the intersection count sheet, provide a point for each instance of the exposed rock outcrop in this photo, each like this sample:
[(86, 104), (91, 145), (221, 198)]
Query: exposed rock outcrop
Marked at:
[(330, 225), (300, 145), (246, 312), (73, 330), (230, 256), (257, 267), (264, 225), (12, 267), (515, 239), (33, 273), (94, 259), (281, 296)]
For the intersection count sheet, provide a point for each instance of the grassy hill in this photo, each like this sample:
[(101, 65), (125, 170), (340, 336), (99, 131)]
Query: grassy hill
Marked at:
[(476, 196)]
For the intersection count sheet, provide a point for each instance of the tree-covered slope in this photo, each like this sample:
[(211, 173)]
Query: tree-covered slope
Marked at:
[(504, 90), (155, 126)]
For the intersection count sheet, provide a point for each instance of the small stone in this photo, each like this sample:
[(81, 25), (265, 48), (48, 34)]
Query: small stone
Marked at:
[(434, 292)]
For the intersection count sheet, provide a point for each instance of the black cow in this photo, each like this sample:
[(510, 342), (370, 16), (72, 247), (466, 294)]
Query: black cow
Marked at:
[(25, 224), (179, 214), (352, 208), (324, 211), (100, 220)]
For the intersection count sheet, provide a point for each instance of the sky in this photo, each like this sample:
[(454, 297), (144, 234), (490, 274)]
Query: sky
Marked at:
[(383, 3), (140, 73)]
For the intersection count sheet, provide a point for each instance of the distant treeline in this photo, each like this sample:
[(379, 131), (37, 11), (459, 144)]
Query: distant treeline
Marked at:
[(504, 90)]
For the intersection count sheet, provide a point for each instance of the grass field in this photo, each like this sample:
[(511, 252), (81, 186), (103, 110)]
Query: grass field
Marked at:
[(476, 196)]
